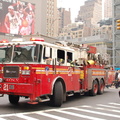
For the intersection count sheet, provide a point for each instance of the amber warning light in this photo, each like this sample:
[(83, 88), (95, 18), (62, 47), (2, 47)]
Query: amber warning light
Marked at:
[(37, 39), (4, 41)]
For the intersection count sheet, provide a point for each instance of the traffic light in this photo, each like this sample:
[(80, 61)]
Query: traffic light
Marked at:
[(118, 24)]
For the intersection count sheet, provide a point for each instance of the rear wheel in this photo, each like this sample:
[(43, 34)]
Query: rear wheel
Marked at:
[(94, 89), (57, 98), (14, 99), (101, 87)]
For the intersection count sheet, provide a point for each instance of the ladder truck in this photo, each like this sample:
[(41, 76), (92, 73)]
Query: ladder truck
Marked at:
[(42, 71)]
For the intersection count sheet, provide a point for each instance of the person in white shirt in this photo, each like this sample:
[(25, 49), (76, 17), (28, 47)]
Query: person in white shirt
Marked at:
[(12, 21)]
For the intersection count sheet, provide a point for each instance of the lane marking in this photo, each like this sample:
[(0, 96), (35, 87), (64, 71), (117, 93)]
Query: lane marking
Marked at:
[(51, 116), (114, 104), (79, 115), (2, 119), (20, 115), (95, 112), (108, 106), (62, 110), (105, 109)]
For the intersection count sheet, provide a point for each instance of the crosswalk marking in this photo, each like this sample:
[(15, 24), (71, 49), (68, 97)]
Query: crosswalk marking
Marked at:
[(98, 109), (108, 106), (79, 115), (20, 115), (114, 104), (95, 112), (52, 116), (2, 119)]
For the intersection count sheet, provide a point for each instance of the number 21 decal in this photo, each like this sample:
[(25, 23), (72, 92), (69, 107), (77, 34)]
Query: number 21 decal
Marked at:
[(5, 87)]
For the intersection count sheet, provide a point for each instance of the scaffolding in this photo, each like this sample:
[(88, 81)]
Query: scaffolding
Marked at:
[(116, 34)]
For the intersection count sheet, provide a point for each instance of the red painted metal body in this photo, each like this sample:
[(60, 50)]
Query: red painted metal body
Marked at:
[(36, 79), (40, 81)]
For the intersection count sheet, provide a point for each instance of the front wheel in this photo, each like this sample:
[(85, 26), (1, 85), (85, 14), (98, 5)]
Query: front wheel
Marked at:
[(57, 98), (94, 89), (14, 99)]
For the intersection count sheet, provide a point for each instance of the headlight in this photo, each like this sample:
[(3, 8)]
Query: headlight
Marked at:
[(1, 80), (25, 72)]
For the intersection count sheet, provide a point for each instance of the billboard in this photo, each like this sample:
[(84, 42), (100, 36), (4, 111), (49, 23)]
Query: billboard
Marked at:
[(17, 17)]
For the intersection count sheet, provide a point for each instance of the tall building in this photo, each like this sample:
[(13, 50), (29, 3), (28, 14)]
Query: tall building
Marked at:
[(52, 18), (64, 18), (107, 9), (72, 31), (90, 12), (46, 17)]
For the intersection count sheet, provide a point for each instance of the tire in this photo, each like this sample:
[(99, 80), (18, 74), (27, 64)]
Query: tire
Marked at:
[(101, 87), (94, 89), (14, 99), (57, 98)]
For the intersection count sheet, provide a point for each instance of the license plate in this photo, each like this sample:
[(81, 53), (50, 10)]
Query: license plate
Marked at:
[(11, 87)]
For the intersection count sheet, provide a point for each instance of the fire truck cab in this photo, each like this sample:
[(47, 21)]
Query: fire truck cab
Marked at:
[(43, 72)]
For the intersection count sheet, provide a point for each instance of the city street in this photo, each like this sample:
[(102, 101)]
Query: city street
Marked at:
[(100, 107), (50, 49)]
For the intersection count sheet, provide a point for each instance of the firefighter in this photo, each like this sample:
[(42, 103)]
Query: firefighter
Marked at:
[(24, 56), (68, 60), (91, 62), (60, 61), (74, 63), (48, 60)]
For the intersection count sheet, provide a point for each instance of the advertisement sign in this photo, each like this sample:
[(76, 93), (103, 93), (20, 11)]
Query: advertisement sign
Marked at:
[(17, 17)]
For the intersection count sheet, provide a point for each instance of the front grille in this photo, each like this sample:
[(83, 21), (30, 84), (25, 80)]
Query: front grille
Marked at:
[(11, 71)]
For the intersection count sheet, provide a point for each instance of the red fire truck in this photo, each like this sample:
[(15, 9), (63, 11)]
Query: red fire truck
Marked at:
[(43, 72)]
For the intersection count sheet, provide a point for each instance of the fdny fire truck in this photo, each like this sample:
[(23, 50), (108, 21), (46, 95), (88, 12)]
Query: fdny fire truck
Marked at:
[(41, 71)]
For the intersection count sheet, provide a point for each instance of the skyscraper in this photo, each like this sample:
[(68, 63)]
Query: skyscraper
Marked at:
[(64, 17), (107, 9), (52, 18), (91, 12)]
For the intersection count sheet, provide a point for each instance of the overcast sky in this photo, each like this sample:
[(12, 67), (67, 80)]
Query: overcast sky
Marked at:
[(73, 4)]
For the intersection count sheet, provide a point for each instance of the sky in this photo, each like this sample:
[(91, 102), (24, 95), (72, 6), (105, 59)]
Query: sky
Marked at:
[(74, 5)]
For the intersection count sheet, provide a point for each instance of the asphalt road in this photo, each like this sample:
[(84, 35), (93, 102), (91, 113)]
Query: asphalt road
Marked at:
[(100, 107)]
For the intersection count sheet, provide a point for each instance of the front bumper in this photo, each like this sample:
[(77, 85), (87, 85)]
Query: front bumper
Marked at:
[(16, 89)]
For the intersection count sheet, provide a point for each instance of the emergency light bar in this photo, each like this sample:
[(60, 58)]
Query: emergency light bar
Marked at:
[(17, 40), (37, 39), (4, 41)]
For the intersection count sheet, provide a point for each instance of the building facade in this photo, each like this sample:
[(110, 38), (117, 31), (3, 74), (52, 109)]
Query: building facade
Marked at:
[(72, 31), (64, 18), (90, 12), (107, 9)]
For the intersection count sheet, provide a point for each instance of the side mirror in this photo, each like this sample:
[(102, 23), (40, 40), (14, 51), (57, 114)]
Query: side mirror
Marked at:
[(47, 52)]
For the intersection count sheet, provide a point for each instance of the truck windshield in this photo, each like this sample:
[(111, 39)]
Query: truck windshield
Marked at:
[(5, 53), (25, 53), (20, 53)]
